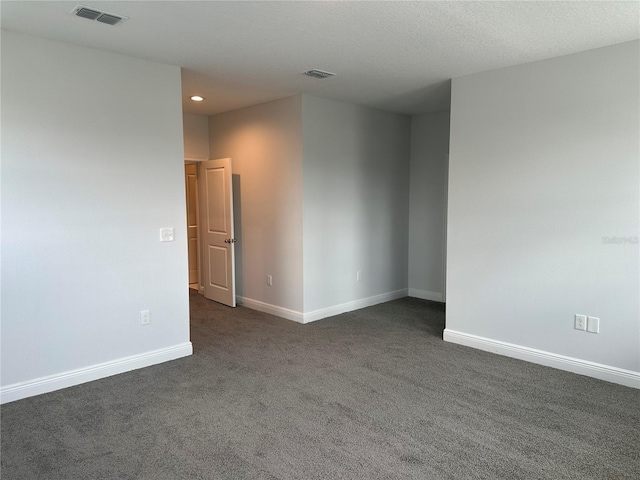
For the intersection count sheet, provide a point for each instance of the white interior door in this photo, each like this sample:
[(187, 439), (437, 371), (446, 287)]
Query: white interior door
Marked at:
[(216, 228)]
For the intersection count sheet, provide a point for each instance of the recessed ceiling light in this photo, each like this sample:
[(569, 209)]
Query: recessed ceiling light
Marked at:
[(197, 98)]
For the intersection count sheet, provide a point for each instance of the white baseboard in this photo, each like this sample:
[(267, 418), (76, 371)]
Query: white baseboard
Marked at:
[(321, 313), (426, 295), (21, 390), (351, 306), (620, 376), (272, 309)]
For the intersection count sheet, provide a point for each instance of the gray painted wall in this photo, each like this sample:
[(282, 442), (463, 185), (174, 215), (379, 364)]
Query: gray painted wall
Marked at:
[(92, 167), (196, 136), (544, 171), (264, 144), (356, 202), (427, 206)]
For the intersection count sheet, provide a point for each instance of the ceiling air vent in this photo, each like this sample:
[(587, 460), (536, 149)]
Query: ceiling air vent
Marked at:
[(93, 14), (109, 19), (318, 73), (85, 12)]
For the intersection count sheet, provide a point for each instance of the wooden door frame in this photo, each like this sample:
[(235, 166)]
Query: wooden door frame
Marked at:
[(196, 162)]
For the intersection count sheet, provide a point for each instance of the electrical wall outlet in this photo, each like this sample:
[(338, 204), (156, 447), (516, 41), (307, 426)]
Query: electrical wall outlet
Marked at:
[(145, 317), (580, 322), (593, 324), (269, 280), (359, 276), (167, 234)]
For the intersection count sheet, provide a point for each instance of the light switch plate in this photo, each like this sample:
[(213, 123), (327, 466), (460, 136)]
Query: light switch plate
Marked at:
[(593, 324), (167, 235)]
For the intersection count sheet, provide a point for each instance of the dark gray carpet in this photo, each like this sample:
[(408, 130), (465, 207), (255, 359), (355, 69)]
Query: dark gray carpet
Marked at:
[(373, 394)]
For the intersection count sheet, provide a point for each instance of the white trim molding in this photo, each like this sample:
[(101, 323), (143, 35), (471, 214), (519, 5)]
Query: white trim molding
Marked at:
[(30, 388), (620, 376), (272, 309), (355, 305), (426, 295), (323, 312)]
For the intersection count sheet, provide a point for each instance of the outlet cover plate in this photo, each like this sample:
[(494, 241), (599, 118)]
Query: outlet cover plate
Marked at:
[(580, 322), (167, 235)]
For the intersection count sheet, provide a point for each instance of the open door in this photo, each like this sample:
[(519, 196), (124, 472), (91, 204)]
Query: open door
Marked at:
[(216, 226)]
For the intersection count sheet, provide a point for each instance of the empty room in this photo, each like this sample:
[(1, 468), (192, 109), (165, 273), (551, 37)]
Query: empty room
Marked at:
[(320, 240)]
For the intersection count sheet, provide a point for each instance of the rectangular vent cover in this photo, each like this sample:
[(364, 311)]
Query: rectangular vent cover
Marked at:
[(109, 19), (102, 17), (318, 74), (85, 12)]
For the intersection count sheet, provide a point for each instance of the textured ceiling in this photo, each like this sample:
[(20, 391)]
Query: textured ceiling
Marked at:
[(396, 56)]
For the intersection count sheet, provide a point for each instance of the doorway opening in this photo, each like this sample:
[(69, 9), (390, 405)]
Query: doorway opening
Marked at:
[(210, 229), (191, 189)]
